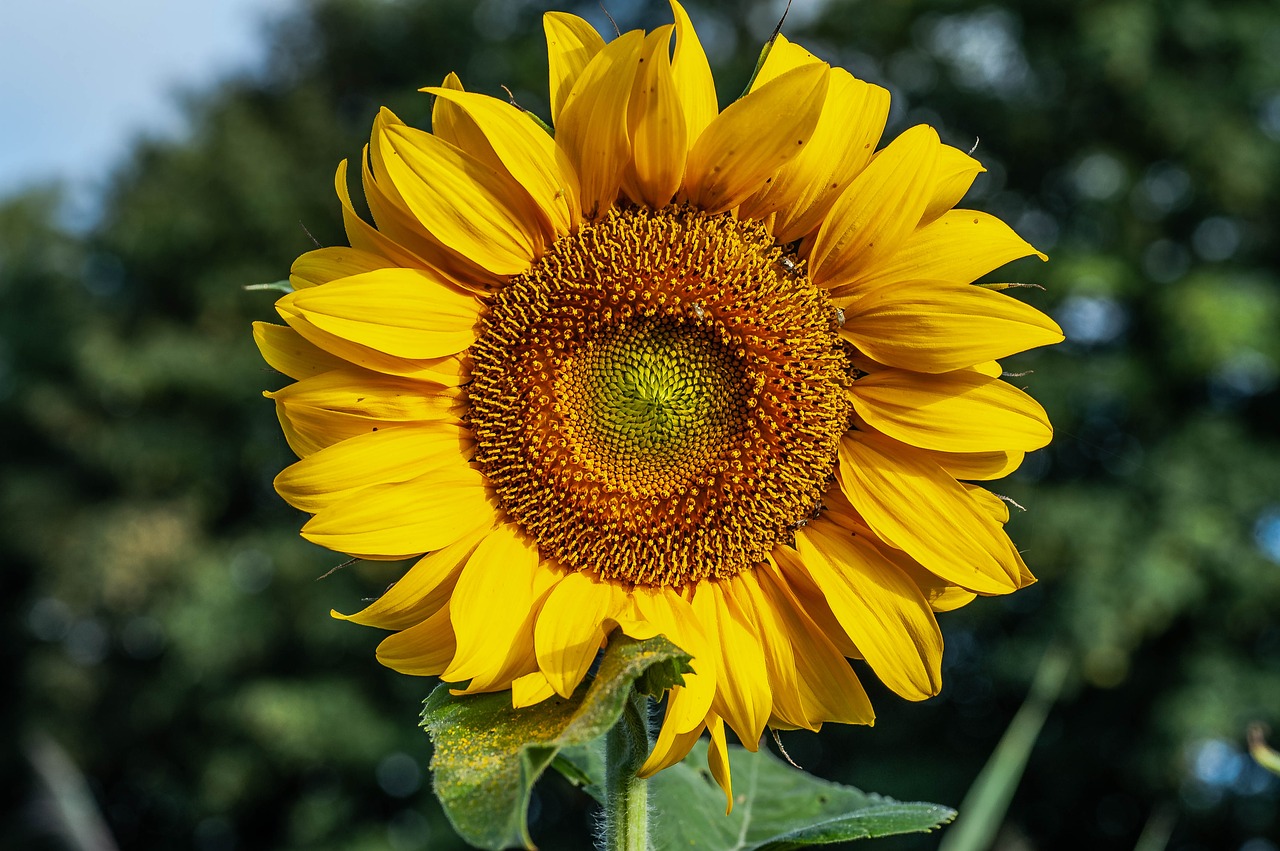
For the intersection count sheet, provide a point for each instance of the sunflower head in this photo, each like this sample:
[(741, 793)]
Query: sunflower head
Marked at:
[(715, 374)]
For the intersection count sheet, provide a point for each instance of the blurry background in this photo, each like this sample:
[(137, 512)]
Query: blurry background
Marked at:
[(174, 679)]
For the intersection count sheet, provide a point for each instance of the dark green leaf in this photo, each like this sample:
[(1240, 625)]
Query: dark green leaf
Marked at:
[(488, 755), (775, 807), (583, 766)]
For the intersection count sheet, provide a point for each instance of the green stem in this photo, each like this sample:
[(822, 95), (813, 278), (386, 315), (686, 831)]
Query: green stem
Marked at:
[(626, 808)]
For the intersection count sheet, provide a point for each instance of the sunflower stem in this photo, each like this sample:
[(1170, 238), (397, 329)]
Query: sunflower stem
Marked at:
[(626, 808)]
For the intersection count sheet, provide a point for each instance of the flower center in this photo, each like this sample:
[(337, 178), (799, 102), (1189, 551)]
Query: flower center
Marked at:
[(658, 399), (651, 400)]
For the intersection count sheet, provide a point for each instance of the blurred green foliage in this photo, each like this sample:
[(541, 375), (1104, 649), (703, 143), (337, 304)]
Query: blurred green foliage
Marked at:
[(162, 622)]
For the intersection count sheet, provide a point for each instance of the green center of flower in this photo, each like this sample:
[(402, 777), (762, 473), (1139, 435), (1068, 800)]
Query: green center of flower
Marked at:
[(653, 399), (659, 398)]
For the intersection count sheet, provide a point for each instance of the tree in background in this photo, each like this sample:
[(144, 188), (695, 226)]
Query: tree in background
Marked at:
[(164, 624)]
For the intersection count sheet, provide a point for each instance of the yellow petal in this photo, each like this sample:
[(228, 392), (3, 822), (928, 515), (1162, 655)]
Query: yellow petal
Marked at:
[(850, 129), (837, 508), (571, 45), (286, 351), (531, 689), (380, 457), (527, 153), (996, 507), (403, 312), (364, 236), (692, 75), (998, 510), (959, 411), (397, 221), (378, 183), (592, 128), (784, 55), (797, 577), (803, 191), (631, 623), (780, 661), (718, 761), (659, 141), (571, 628), (1024, 576), (422, 650), (671, 747), (881, 609), (877, 211), (675, 618), (977, 466), (742, 692), (333, 406), (991, 369), (933, 326), (493, 598), (521, 659), (755, 136), (911, 502), (959, 247), (954, 175), (829, 690), (393, 216), (422, 591), (948, 598), (405, 519), (519, 665), (329, 264), (464, 204), (447, 371), (943, 596), (450, 122)]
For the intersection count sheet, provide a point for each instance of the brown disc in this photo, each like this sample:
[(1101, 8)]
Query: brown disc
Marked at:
[(659, 398)]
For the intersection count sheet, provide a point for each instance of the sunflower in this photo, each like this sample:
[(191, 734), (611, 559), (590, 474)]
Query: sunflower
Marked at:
[(714, 374)]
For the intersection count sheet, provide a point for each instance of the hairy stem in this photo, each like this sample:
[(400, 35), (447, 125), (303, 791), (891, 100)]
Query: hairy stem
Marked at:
[(626, 809)]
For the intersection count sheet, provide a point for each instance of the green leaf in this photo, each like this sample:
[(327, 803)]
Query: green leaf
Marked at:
[(775, 807), (488, 755), (583, 766)]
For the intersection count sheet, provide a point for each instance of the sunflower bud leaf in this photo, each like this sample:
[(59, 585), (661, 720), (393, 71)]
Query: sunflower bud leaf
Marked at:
[(488, 755)]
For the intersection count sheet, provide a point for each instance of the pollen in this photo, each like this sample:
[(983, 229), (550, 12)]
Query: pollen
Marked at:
[(659, 398)]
